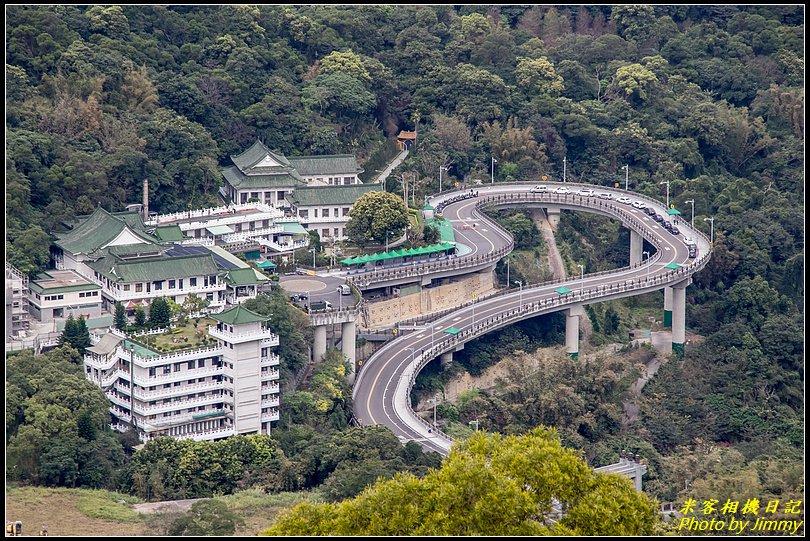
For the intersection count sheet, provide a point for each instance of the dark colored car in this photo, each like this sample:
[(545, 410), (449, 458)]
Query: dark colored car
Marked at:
[(674, 230), (658, 218), (649, 210)]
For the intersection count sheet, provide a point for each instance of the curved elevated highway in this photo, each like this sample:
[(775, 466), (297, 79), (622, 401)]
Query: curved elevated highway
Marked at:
[(382, 389)]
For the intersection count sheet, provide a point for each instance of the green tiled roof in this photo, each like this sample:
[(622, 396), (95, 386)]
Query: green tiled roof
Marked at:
[(97, 230), (134, 249), (326, 165), (331, 195), (244, 277), (292, 228), (169, 233), (132, 219), (238, 315), (150, 269), (36, 288), (237, 179), (255, 154)]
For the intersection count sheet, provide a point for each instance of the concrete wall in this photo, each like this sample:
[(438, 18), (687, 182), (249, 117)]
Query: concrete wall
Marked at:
[(387, 313)]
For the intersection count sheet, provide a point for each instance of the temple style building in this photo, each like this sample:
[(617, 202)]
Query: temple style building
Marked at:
[(318, 190)]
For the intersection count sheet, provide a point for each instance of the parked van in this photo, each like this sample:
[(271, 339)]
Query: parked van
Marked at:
[(344, 289), (320, 305)]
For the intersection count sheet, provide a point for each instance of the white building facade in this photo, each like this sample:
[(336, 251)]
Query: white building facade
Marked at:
[(229, 386)]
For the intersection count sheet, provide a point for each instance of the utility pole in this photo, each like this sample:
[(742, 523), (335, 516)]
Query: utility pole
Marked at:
[(494, 161), (564, 158), (692, 201)]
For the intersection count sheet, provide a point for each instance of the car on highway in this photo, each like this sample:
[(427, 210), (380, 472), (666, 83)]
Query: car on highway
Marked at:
[(639, 205), (650, 211), (344, 289), (605, 195), (624, 199), (657, 217), (692, 246), (540, 188), (298, 297), (671, 228), (585, 192), (562, 190)]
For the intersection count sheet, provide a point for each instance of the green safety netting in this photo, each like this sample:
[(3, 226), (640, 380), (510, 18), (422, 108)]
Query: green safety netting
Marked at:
[(452, 331), (674, 211), (266, 265), (673, 266), (562, 290), (402, 252)]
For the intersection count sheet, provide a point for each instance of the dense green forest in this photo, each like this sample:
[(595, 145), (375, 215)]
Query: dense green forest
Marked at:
[(710, 98)]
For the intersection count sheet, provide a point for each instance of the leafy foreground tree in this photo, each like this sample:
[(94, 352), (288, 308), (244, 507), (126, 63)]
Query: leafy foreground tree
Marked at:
[(207, 517), (490, 485), (374, 214)]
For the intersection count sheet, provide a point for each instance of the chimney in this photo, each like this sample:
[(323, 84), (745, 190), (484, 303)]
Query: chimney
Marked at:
[(145, 200)]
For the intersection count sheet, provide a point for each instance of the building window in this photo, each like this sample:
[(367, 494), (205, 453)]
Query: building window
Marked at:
[(60, 297), (345, 211), (138, 288), (180, 284), (347, 180), (325, 232), (242, 198), (337, 232), (176, 367), (314, 213), (254, 195), (303, 214), (191, 365), (212, 280), (152, 372), (200, 363), (192, 282), (159, 285), (326, 213), (281, 195), (172, 284)]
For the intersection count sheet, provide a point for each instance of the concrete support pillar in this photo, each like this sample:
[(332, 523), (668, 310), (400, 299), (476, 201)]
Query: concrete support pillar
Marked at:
[(667, 307), (553, 216), (572, 331), (349, 344), (446, 359), (678, 319), (636, 245), (319, 346)]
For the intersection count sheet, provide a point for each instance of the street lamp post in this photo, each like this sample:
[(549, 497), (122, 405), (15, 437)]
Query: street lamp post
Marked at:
[(692, 201), (507, 272), (494, 161), (313, 258), (626, 176), (667, 183), (648, 257), (582, 279), (473, 309), (564, 159), (441, 168), (386, 240), (711, 238), (520, 284)]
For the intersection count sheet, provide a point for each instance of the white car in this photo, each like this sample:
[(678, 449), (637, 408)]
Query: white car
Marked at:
[(562, 190), (639, 205), (605, 195), (624, 199), (540, 188), (585, 192)]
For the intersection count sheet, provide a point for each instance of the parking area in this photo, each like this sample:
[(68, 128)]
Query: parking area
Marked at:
[(304, 290)]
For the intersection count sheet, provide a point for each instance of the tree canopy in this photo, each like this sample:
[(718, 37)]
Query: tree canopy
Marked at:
[(489, 485)]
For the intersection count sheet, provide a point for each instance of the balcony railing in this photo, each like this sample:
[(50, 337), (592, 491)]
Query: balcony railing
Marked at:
[(269, 375), (271, 360), (267, 336), (270, 416), (179, 404), (208, 434), (161, 392)]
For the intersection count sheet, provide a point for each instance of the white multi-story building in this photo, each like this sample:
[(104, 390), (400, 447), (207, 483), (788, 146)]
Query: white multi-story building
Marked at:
[(17, 294), (56, 294), (325, 209), (229, 386), (318, 190)]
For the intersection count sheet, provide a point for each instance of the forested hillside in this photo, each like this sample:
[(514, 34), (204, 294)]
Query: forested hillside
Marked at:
[(710, 98)]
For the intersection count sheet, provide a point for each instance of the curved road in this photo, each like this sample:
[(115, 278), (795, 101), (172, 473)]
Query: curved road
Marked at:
[(381, 392)]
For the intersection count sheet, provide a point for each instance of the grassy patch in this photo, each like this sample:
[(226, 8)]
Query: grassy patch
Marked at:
[(190, 336), (104, 505), (259, 510)]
